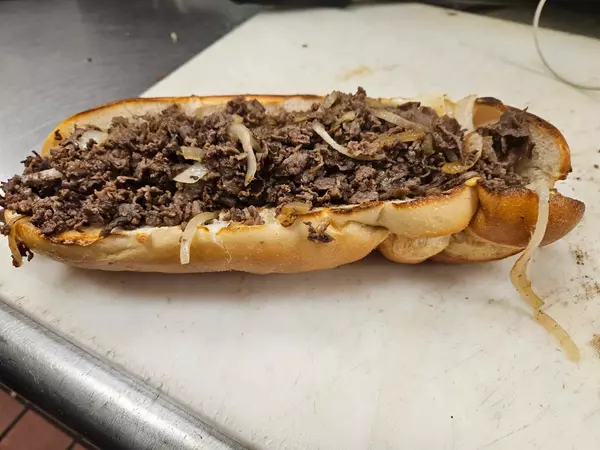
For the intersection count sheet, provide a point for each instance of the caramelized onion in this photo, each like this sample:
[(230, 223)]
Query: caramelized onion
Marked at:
[(98, 136), (471, 151), (346, 117), (193, 153), (13, 245), (520, 278), (397, 120), (405, 136), (464, 112), (188, 235), (206, 110), (329, 101), (290, 211), (243, 134), (192, 174), (320, 130)]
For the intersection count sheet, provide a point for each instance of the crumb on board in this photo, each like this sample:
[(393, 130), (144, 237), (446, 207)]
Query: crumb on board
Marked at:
[(596, 166), (579, 255), (174, 37), (591, 289)]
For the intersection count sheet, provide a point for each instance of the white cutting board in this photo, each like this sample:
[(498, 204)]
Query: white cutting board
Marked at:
[(372, 355)]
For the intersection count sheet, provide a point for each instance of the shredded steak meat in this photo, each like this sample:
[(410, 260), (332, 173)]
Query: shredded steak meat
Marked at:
[(127, 180)]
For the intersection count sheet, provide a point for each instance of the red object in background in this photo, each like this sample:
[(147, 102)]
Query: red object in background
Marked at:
[(23, 428)]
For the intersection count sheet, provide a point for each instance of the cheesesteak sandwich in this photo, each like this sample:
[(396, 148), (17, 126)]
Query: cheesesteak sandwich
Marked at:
[(266, 184)]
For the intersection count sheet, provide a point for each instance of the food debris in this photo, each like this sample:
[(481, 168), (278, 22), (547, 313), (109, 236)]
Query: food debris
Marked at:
[(89, 59), (174, 37), (580, 256), (304, 45), (318, 233), (591, 288), (596, 166)]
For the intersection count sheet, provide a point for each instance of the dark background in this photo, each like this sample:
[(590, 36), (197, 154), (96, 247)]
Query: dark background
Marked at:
[(58, 57)]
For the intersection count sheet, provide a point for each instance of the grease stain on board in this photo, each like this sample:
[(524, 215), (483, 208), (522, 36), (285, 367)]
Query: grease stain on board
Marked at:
[(595, 342), (357, 72), (364, 70)]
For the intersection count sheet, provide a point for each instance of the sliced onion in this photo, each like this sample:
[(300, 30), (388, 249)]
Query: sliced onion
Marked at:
[(217, 225), (471, 151), (207, 110), (193, 153), (188, 235), (192, 174), (13, 245), (519, 275), (395, 119), (96, 135), (43, 175), (375, 102), (464, 112), (288, 213), (320, 130), (405, 136), (300, 118), (346, 117), (243, 134), (329, 100), (428, 149), (449, 107)]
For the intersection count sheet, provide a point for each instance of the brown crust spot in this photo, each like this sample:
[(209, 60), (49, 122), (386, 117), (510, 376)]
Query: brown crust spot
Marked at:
[(508, 216)]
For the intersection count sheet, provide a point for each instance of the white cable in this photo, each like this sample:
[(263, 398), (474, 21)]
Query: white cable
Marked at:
[(536, 26)]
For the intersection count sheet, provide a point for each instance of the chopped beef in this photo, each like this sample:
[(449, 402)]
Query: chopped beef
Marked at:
[(318, 233), (127, 180), (247, 216)]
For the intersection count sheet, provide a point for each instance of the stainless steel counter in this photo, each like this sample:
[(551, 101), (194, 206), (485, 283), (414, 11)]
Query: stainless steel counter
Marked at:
[(58, 57)]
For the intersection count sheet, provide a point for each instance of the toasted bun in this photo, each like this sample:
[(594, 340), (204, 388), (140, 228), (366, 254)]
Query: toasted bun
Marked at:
[(467, 223)]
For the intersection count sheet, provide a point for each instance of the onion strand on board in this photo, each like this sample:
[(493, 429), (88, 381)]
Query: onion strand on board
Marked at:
[(188, 235), (520, 278), (243, 134)]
